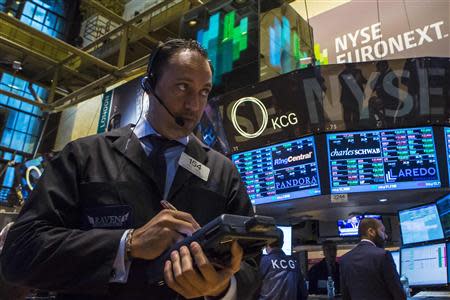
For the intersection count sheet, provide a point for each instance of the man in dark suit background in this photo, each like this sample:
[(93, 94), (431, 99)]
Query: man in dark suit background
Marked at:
[(368, 271), (328, 266)]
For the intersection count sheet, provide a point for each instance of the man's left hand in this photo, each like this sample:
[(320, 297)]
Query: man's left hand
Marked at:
[(181, 276)]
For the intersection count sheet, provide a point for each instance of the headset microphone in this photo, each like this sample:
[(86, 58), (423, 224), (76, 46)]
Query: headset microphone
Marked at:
[(146, 86)]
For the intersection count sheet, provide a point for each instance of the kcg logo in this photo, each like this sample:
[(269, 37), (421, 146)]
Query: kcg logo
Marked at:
[(277, 122)]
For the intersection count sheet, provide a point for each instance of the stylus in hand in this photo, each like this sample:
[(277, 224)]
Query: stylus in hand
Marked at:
[(167, 205)]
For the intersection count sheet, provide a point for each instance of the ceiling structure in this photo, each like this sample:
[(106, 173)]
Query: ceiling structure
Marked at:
[(73, 75)]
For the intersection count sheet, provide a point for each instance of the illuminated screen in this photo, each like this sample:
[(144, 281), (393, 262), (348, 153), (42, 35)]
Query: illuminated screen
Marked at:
[(287, 240), (448, 260), (229, 32), (447, 146), (425, 265), (382, 160), (280, 172), (350, 226), (396, 257), (285, 39), (420, 224), (443, 206)]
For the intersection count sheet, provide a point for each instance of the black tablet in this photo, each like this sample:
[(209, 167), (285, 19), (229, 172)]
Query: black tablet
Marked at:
[(215, 238)]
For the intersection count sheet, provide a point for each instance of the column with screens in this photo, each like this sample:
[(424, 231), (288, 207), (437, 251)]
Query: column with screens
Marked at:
[(420, 224), (425, 265), (382, 160), (280, 172)]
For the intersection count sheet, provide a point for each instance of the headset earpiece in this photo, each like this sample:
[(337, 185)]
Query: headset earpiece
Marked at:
[(146, 86)]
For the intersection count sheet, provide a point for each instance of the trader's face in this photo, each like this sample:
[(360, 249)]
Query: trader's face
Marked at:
[(183, 86), (380, 236)]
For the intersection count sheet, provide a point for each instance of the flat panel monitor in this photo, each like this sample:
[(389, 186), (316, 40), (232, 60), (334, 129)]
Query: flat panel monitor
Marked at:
[(382, 160), (287, 240), (280, 172), (447, 147), (396, 257), (448, 261), (425, 265), (420, 224), (443, 206), (349, 227)]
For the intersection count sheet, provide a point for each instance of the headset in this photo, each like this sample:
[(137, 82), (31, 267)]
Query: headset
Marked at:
[(148, 85)]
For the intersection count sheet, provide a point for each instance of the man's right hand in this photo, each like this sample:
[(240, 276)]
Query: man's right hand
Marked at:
[(163, 230)]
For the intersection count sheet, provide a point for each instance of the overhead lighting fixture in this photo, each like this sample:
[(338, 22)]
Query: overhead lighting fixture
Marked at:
[(383, 200), (192, 23)]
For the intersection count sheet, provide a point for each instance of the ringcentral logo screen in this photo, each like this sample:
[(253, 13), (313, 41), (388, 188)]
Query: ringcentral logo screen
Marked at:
[(280, 172), (382, 160)]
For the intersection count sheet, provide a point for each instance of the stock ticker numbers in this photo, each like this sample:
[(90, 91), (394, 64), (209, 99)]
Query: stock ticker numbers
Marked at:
[(280, 172), (382, 160)]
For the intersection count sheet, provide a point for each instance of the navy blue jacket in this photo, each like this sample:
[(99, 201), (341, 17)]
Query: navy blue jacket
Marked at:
[(369, 273), (67, 235), (281, 277)]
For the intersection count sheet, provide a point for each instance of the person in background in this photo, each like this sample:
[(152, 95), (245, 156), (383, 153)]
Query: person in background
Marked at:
[(281, 275), (368, 271), (328, 266)]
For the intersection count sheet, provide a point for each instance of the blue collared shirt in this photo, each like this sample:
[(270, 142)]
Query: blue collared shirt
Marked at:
[(172, 155)]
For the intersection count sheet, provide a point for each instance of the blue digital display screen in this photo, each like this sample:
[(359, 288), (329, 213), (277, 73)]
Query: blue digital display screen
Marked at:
[(350, 226), (420, 224), (396, 257), (443, 206), (447, 262), (280, 172), (425, 265), (382, 160), (447, 147)]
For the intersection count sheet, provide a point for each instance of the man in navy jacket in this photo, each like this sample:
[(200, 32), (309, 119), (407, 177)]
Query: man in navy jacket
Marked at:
[(281, 274), (368, 271)]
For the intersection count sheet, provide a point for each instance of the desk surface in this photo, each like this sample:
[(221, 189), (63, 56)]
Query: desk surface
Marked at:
[(432, 295)]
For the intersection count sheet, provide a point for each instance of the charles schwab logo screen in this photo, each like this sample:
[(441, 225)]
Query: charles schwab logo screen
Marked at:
[(383, 160)]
